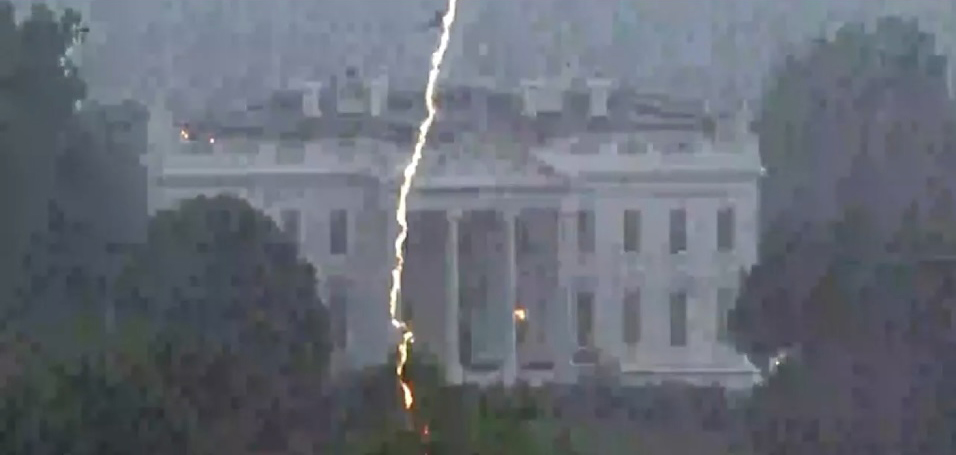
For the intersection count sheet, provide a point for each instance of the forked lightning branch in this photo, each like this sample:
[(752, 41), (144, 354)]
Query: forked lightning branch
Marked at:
[(401, 211)]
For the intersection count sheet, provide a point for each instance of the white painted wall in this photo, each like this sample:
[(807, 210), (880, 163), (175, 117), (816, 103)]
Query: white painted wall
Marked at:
[(657, 272)]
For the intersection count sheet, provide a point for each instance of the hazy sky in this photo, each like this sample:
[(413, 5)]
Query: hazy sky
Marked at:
[(708, 48)]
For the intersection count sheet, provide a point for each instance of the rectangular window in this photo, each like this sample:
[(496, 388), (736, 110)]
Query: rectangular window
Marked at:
[(632, 231), (632, 317), (400, 103), (678, 231), (726, 225), (290, 152), (632, 147), (678, 310), (725, 303), (291, 221), (585, 231), (338, 312), (339, 232), (584, 312)]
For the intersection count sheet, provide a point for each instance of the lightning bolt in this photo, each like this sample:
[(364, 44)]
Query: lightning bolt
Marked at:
[(401, 211)]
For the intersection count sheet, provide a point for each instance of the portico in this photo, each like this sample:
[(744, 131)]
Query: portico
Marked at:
[(481, 279)]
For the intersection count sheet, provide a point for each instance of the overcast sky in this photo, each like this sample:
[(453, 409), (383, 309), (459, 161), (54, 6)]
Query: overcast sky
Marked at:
[(709, 48)]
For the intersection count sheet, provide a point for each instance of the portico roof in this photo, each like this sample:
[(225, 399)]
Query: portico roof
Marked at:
[(479, 164)]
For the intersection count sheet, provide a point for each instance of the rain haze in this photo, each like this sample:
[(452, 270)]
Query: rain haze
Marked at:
[(713, 227)]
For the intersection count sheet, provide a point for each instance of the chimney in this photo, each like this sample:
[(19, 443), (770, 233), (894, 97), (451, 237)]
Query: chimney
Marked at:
[(379, 95), (311, 94), (599, 88)]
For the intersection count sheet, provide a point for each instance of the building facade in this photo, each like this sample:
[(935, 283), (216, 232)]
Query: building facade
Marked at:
[(551, 228)]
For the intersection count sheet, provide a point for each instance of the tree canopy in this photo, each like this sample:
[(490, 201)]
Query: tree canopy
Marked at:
[(857, 137), (39, 87), (225, 272), (444, 419), (85, 406)]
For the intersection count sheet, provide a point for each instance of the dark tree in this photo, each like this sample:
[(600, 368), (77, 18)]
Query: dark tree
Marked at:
[(39, 88), (85, 408), (226, 276), (459, 419), (853, 131), (856, 134)]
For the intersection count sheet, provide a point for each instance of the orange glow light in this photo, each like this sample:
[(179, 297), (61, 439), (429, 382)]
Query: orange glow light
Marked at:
[(520, 314)]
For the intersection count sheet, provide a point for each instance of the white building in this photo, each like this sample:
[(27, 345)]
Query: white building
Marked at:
[(618, 222)]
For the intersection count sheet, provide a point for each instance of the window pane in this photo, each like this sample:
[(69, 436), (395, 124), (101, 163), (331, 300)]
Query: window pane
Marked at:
[(632, 231), (678, 318), (290, 152), (725, 229), (586, 231), (678, 231), (632, 317), (725, 303), (338, 232), (585, 319)]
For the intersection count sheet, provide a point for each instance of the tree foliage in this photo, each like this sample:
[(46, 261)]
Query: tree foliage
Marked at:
[(212, 399), (39, 87), (237, 332), (85, 406), (459, 419), (226, 274), (856, 134)]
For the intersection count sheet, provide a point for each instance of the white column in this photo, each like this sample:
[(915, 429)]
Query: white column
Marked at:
[(564, 341), (311, 105), (453, 370), (509, 370), (599, 93), (378, 95)]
